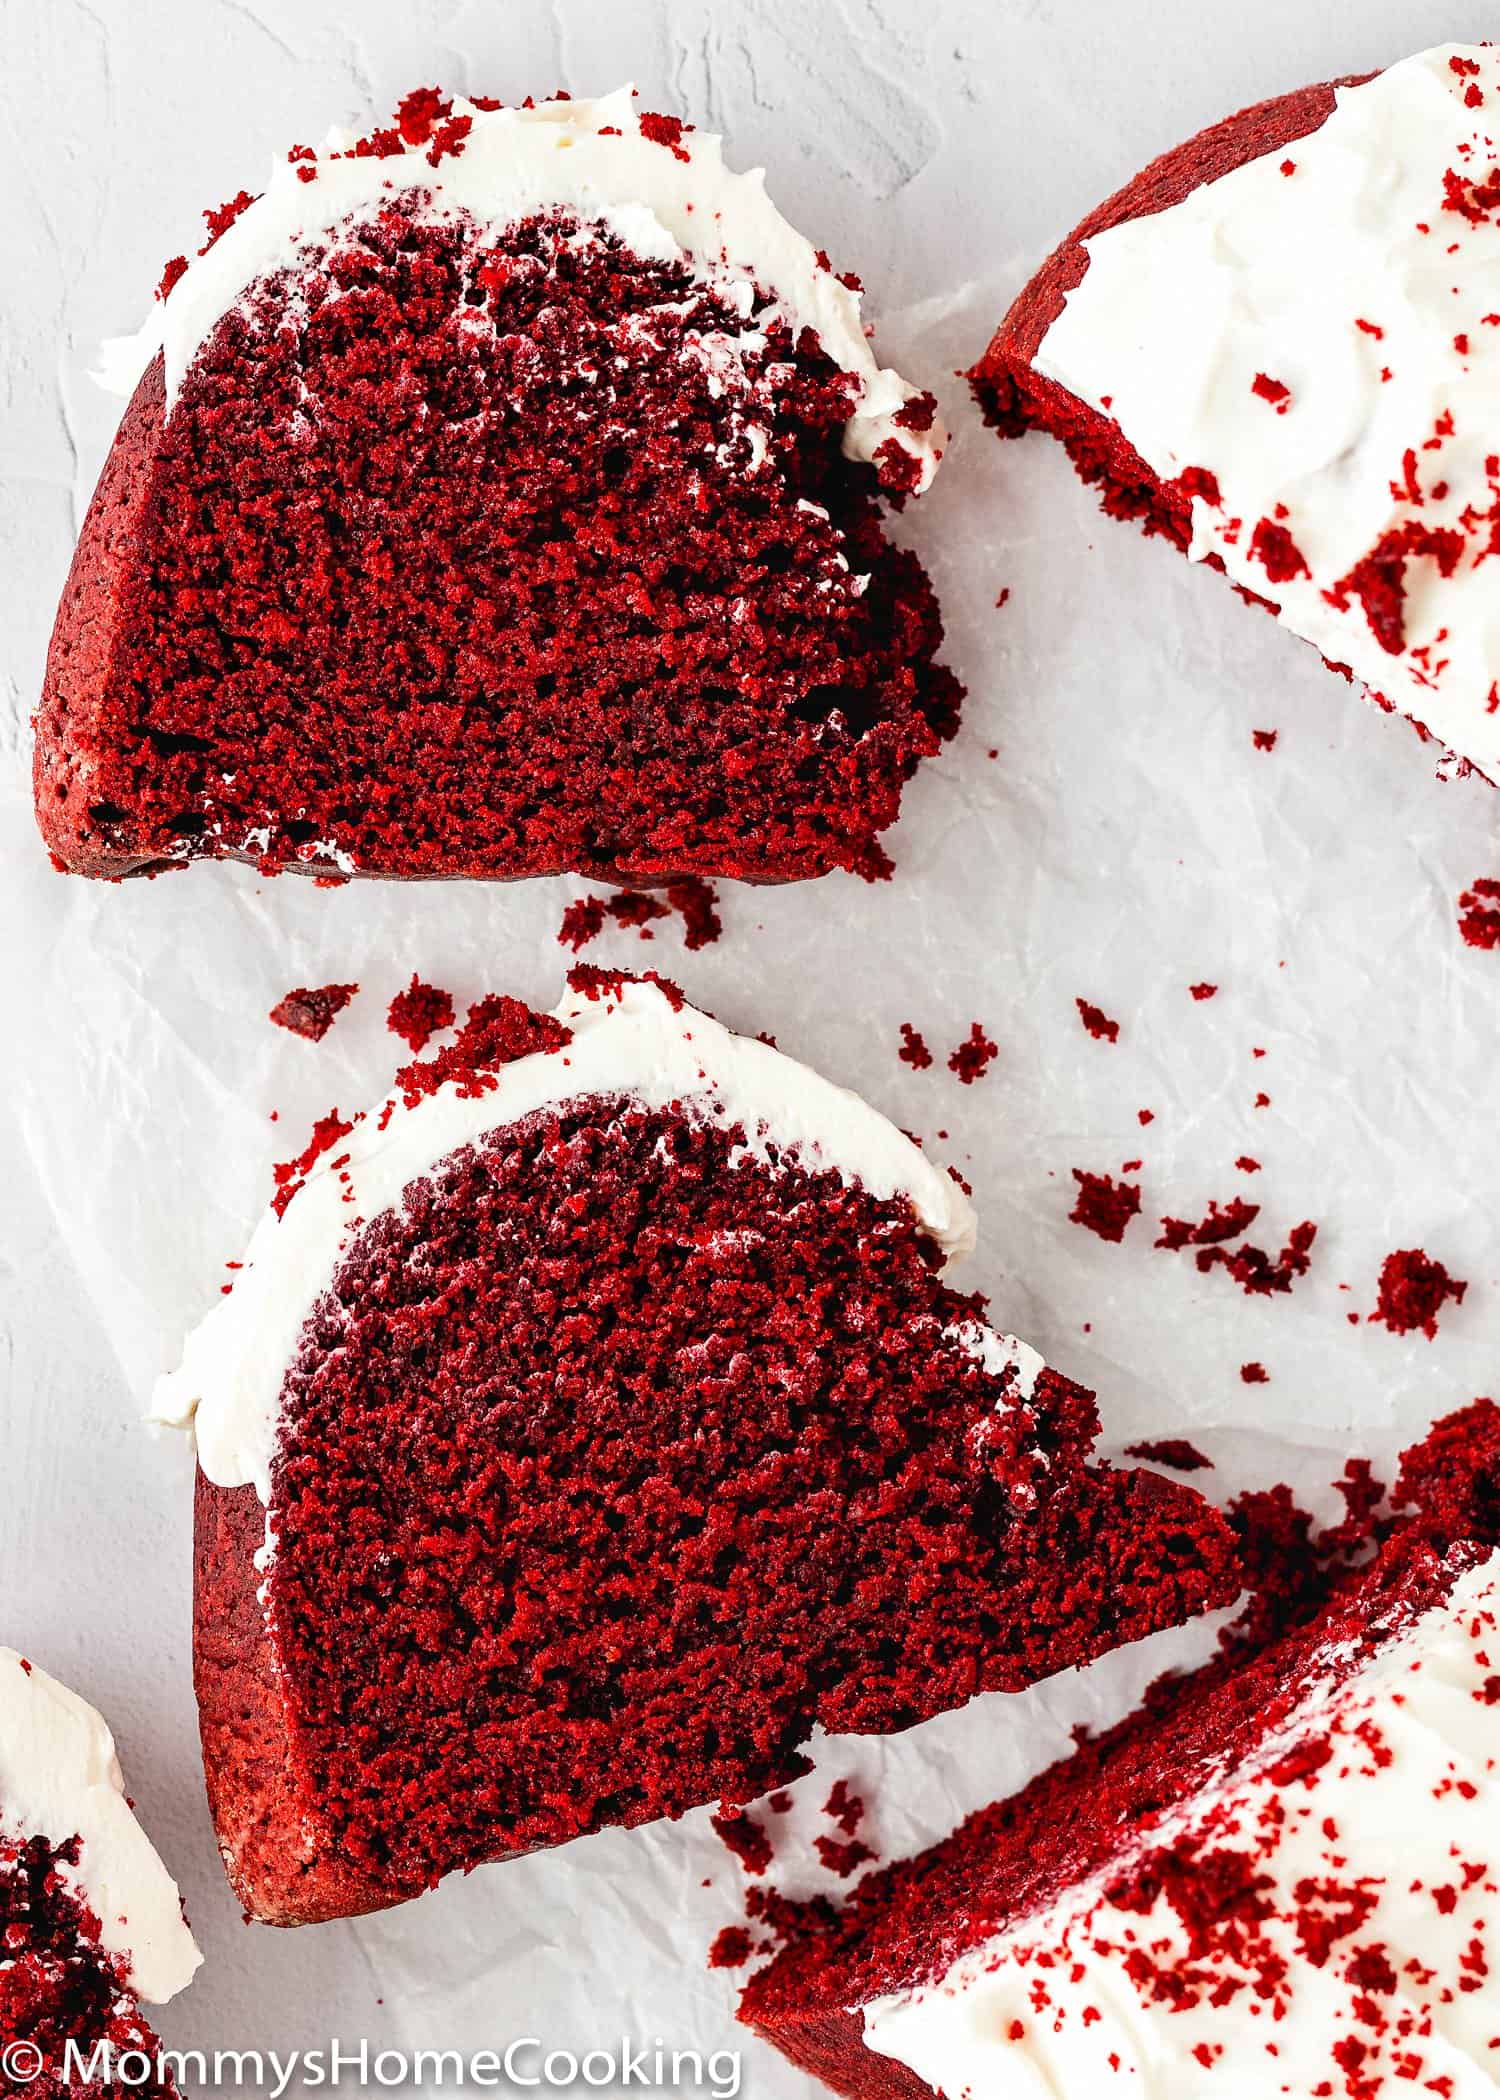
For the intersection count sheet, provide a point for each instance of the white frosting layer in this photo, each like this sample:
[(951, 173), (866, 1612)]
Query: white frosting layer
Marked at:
[(633, 1045), (587, 156), (1393, 1843), (1270, 274), (60, 1779)]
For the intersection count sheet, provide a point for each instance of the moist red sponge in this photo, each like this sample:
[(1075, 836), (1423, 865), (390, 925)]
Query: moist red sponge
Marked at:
[(619, 1455), (490, 550)]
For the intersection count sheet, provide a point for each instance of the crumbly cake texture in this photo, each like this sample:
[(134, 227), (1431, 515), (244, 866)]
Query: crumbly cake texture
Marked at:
[(617, 1456), (58, 1985), (1148, 1866), (476, 549)]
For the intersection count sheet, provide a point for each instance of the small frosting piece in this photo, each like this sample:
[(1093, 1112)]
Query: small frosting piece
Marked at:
[(1315, 338), (632, 1043), (662, 188), (60, 1779), (1345, 1916)]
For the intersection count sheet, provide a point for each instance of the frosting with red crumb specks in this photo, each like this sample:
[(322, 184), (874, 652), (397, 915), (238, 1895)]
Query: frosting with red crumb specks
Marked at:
[(1323, 1920), (632, 1042), (1324, 346), (60, 1780), (660, 187)]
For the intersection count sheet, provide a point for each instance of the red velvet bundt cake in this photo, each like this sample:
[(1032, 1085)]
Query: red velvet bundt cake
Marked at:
[(1279, 346), (1278, 1877), (502, 495), (90, 1919), (588, 1421)]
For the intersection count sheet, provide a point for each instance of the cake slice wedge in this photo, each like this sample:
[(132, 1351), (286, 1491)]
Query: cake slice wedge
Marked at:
[(1278, 347), (1279, 1877), (591, 1419), (501, 493), (90, 1920)]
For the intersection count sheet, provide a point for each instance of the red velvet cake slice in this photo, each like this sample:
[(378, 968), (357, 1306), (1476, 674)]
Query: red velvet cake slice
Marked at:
[(1281, 1876), (1280, 347), (90, 1920), (502, 496), (590, 1420)]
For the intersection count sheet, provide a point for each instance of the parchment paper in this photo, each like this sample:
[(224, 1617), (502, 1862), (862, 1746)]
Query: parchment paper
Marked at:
[(1125, 841)]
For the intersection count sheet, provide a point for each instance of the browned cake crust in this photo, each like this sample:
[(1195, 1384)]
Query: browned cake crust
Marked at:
[(278, 1864)]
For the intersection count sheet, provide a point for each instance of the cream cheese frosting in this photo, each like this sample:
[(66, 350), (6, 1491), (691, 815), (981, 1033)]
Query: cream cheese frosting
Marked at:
[(590, 156), (1366, 1956), (1319, 331), (60, 1779), (632, 1043)]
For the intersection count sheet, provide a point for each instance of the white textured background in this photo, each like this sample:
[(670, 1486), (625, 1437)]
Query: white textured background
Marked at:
[(1127, 841)]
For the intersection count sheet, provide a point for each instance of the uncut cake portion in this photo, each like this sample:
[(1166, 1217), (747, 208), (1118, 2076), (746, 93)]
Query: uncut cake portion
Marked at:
[(1279, 346), (1280, 1877), (90, 1920), (501, 494), (591, 1419)]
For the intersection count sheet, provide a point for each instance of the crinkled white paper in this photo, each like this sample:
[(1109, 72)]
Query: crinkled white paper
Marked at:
[(1125, 841)]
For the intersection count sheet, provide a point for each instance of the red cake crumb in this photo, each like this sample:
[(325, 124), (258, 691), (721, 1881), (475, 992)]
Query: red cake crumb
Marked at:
[(665, 131), (1413, 1291), (841, 1856), (1276, 391), (172, 275), (1203, 991), (1480, 909), (1104, 1205), (1144, 1116), (418, 1013), (731, 1949), (696, 902), (496, 1031), (913, 1051), (746, 676), (1255, 1374), (845, 1808), (312, 1013), (1247, 1165), (288, 1175), (1277, 552), (974, 1056), (1220, 1222), (1257, 1274), (582, 922), (1173, 1451), (1097, 1022), (1264, 739), (745, 1838)]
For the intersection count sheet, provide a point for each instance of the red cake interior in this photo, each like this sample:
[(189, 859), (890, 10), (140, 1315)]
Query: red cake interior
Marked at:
[(455, 557), (908, 1924), (618, 1458), (58, 1985)]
